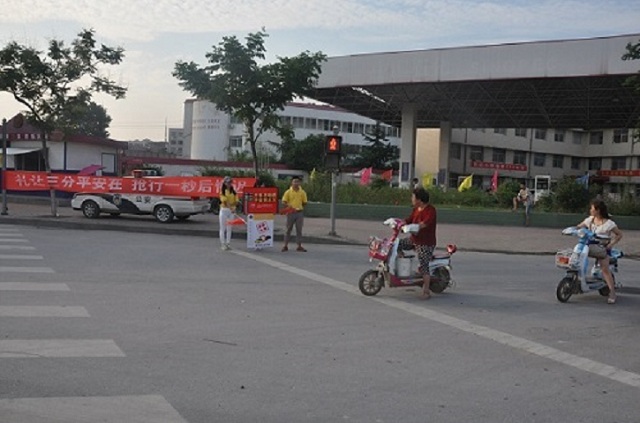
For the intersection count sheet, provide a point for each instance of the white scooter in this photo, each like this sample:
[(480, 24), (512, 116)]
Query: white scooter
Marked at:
[(578, 278)]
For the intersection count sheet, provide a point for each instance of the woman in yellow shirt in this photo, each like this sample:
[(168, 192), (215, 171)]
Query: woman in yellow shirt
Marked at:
[(228, 202)]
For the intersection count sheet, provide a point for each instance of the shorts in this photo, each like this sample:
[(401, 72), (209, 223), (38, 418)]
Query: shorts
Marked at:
[(597, 251), (424, 253)]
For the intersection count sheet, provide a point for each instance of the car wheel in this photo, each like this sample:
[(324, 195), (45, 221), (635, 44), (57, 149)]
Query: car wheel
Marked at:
[(90, 209), (163, 213)]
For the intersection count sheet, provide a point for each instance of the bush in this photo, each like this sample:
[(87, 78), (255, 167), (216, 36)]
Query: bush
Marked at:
[(570, 196)]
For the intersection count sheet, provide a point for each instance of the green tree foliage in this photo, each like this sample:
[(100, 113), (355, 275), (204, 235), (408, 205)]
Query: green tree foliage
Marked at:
[(379, 153), (633, 53), (237, 84), (306, 154), (570, 196), (91, 119), (58, 82)]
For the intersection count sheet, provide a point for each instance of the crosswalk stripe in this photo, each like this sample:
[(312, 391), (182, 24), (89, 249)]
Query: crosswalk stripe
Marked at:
[(16, 247), (138, 409), (30, 269), (43, 311), (58, 348), (20, 257), (14, 240), (33, 286), (11, 234)]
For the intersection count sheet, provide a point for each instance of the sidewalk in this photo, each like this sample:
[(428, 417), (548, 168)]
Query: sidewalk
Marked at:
[(480, 238)]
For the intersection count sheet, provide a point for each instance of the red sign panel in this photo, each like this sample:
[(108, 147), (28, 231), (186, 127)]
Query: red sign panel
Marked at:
[(261, 200), (498, 166), (619, 172), (179, 186)]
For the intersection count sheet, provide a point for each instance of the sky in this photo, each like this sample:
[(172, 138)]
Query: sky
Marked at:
[(156, 34)]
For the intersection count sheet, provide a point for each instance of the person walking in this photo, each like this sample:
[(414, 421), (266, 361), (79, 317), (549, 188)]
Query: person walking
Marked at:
[(228, 202), (295, 199)]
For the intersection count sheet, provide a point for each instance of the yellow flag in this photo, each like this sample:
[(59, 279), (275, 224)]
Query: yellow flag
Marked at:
[(466, 183), (427, 180)]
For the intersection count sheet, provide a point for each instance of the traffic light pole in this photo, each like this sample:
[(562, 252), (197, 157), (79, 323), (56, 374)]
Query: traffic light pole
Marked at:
[(332, 209)]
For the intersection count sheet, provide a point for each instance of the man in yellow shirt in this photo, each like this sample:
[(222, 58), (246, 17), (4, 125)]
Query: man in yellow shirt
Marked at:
[(294, 198)]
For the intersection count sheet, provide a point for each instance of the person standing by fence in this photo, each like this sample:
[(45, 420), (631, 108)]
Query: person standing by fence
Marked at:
[(228, 202), (295, 198)]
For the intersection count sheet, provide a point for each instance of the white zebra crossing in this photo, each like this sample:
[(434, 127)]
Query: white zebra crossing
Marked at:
[(120, 409), (117, 409)]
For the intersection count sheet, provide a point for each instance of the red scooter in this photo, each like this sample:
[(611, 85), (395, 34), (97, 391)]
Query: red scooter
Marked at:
[(395, 269)]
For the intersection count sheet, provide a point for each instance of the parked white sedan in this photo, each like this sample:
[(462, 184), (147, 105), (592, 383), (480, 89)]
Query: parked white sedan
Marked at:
[(164, 209)]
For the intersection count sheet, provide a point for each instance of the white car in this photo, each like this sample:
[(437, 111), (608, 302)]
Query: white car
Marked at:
[(164, 209)]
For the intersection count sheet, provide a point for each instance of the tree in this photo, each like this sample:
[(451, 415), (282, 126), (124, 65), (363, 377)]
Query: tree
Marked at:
[(91, 119), (379, 154), (306, 154), (57, 83), (633, 53), (237, 84)]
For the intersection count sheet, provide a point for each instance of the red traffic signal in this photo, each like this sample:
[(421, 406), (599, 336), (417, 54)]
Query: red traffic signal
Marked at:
[(333, 144)]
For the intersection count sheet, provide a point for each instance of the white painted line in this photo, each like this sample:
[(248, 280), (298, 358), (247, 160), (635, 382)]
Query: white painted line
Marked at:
[(5, 228), (43, 311), (531, 347), (19, 257), (14, 240), (30, 269), (16, 247), (122, 409), (33, 286), (11, 234), (58, 348)]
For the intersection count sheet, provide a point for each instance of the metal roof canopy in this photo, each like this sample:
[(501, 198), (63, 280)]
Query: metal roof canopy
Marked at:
[(551, 84)]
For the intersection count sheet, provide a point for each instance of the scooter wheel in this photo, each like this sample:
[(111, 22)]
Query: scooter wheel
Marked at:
[(439, 280), (370, 282), (604, 291), (565, 289)]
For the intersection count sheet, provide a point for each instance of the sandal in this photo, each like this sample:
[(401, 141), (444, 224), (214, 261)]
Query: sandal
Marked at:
[(611, 300)]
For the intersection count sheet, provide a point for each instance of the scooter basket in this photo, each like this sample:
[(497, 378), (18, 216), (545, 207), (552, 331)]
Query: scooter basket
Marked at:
[(563, 259)]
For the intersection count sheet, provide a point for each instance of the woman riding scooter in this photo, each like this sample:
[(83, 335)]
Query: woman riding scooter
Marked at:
[(424, 241), (600, 223)]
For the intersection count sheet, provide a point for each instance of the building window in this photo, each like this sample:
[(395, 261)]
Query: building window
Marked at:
[(499, 155), (596, 137), (539, 159), (575, 163), (558, 161), (558, 136), (520, 157), (235, 142), (501, 131), (540, 134), (595, 163), (618, 163), (310, 123), (521, 132), (455, 150), (620, 136), (476, 154), (577, 137)]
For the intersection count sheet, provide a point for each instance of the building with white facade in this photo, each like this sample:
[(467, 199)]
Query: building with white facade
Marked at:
[(608, 156), (210, 134)]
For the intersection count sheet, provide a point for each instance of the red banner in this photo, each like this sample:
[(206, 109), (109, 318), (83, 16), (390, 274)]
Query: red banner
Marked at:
[(634, 172), (498, 166), (261, 200), (179, 186)]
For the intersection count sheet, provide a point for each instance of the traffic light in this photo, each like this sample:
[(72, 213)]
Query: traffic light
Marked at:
[(333, 144), (332, 150)]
